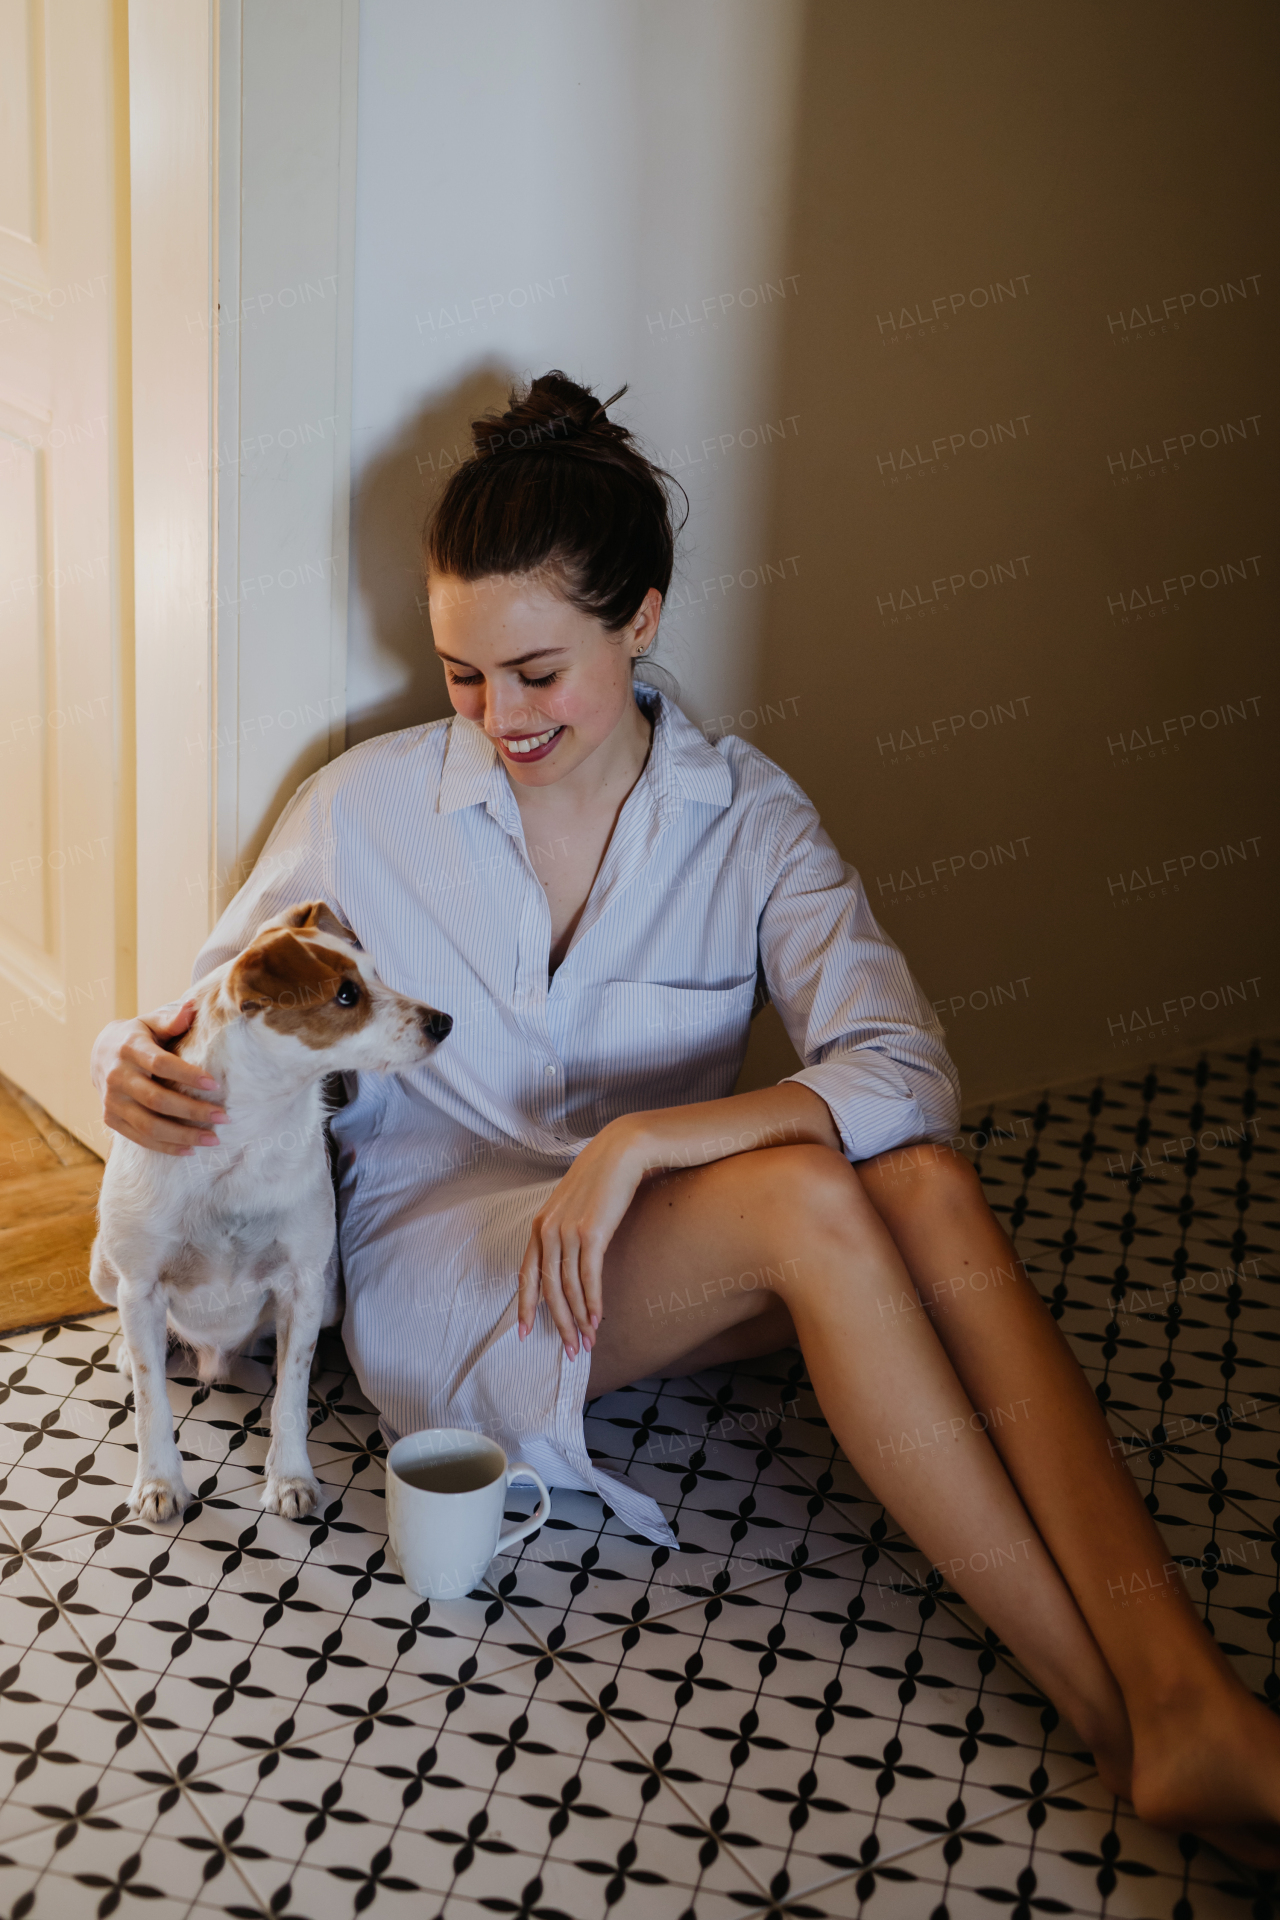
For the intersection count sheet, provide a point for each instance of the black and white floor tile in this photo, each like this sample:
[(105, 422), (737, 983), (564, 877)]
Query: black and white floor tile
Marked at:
[(253, 1717)]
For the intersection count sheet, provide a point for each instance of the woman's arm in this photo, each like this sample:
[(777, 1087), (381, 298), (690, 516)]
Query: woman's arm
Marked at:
[(789, 1114), (128, 1063), (564, 1260), (871, 1043)]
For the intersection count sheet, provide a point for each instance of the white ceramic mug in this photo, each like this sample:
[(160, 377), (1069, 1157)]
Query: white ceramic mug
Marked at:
[(445, 1496)]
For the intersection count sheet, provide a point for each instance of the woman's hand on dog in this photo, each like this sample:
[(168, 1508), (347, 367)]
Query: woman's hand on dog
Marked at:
[(564, 1260), (128, 1065)]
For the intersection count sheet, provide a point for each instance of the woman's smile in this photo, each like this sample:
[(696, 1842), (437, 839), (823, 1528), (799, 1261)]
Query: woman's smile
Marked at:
[(530, 746)]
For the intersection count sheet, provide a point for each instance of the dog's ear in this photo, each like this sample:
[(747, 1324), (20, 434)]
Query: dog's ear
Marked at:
[(315, 917), (279, 971)]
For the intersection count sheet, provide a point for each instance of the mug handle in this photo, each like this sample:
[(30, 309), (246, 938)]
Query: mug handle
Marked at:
[(540, 1514)]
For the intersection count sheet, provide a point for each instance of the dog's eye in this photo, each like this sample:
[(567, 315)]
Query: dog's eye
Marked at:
[(348, 994)]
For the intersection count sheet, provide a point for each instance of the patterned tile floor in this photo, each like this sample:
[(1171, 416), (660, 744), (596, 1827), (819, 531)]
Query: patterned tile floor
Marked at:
[(252, 1717)]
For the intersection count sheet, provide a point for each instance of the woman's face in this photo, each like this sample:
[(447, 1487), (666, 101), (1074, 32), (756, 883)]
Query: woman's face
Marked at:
[(548, 685)]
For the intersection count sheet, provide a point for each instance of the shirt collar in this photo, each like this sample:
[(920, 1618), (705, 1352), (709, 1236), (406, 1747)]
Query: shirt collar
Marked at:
[(472, 773), (682, 764)]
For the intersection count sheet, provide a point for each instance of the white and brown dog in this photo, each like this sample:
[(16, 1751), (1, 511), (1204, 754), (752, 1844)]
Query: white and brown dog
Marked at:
[(227, 1242)]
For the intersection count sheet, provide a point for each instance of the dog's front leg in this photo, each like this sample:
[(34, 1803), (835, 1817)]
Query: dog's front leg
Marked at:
[(291, 1487), (159, 1492)]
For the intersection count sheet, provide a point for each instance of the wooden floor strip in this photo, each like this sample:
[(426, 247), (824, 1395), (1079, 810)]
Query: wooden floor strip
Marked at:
[(48, 1216)]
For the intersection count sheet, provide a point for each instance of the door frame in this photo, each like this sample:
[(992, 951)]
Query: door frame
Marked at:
[(221, 127)]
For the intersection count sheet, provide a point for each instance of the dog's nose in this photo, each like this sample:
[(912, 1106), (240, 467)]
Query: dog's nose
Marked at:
[(437, 1026)]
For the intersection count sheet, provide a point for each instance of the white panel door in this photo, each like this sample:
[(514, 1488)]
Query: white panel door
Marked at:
[(66, 858)]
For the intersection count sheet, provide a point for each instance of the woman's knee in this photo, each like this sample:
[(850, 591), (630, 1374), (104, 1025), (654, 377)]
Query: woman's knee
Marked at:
[(929, 1176), (809, 1187)]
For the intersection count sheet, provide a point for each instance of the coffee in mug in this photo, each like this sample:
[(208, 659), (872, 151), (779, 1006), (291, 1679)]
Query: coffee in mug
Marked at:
[(445, 1494)]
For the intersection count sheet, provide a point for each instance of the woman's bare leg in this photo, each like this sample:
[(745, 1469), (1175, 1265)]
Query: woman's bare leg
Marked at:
[(1206, 1753), (712, 1261)]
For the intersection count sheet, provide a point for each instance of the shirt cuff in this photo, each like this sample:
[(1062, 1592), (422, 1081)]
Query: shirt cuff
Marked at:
[(871, 1103)]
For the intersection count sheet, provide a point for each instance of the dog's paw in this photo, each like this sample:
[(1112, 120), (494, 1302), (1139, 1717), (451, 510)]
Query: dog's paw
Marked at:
[(124, 1365), (292, 1495), (157, 1499)]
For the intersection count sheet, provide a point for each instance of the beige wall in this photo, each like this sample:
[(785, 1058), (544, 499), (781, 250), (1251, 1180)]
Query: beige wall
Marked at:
[(1085, 170), (883, 164)]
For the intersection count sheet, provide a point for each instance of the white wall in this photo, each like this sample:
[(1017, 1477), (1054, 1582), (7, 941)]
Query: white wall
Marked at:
[(287, 100), (555, 185)]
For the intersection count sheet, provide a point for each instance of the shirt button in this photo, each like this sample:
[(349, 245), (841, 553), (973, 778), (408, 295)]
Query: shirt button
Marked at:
[(550, 1072)]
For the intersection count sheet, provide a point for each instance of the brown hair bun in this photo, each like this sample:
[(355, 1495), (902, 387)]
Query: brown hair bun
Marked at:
[(555, 485), (555, 413)]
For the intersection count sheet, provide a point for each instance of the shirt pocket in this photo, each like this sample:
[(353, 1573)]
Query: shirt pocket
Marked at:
[(666, 1046)]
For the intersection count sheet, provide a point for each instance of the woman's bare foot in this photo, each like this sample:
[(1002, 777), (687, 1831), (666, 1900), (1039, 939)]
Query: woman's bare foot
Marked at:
[(1114, 1761), (1210, 1764), (1103, 1727)]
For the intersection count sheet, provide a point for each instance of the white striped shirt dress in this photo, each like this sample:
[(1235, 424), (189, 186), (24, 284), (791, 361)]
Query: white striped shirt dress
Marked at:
[(718, 874)]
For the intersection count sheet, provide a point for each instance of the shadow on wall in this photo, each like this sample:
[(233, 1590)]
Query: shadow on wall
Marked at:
[(396, 490), (390, 504)]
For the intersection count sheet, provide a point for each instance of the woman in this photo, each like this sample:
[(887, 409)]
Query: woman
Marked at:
[(592, 890)]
